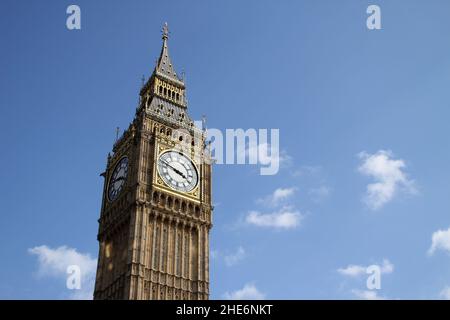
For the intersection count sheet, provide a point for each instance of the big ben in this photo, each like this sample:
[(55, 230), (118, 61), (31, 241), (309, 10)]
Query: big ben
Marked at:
[(156, 207)]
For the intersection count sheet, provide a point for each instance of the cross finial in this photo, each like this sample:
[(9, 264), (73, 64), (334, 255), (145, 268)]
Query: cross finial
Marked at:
[(204, 123), (165, 31), (117, 133)]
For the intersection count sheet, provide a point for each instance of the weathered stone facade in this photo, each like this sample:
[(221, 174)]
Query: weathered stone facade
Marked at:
[(154, 240)]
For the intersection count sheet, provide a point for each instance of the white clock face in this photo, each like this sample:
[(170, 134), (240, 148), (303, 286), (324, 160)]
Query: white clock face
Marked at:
[(118, 178), (177, 171)]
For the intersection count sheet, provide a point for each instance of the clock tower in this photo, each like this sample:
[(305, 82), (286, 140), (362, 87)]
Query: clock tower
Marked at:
[(156, 207)]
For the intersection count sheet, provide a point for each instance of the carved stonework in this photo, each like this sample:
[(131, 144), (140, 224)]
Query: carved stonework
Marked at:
[(153, 239)]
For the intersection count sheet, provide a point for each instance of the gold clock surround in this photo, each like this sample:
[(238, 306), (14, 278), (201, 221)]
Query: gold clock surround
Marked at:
[(191, 195)]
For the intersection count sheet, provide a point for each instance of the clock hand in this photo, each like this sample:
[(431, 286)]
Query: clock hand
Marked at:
[(180, 173), (119, 178), (175, 170)]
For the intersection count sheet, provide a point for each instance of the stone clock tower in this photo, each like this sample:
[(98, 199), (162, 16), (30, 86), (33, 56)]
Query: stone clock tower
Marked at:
[(156, 207)]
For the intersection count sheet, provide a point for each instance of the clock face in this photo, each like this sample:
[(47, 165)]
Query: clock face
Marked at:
[(177, 171), (118, 178)]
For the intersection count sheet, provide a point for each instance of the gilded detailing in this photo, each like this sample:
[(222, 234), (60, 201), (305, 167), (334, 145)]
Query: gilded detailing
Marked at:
[(154, 240)]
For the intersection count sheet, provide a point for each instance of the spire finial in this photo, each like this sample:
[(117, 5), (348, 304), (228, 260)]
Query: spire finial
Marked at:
[(117, 133), (204, 123), (165, 31)]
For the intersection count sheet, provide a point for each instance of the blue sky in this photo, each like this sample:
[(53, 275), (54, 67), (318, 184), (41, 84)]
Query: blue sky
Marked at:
[(356, 109)]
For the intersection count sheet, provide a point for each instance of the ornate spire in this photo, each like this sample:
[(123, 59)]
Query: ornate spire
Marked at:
[(164, 65), (165, 31)]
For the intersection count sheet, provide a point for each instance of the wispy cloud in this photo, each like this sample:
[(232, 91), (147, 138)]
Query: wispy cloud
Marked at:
[(248, 292), (389, 176), (353, 270), (277, 197), (440, 240), (54, 263), (235, 257), (281, 216), (359, 272), (285, 218)]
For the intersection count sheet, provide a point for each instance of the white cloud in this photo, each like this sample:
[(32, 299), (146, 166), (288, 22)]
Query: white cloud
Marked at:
[(281, 194), (285, 218), (353, 270), (367, 295), (387, 267), (359, 271), (234, 258), (389, 178), (445, 293), (54, 263), (440, 240), (277, 197), (248, 292)]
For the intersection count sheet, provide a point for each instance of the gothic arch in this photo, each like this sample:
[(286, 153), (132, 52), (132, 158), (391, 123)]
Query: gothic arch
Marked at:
[(169, 202), (155, 197)]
